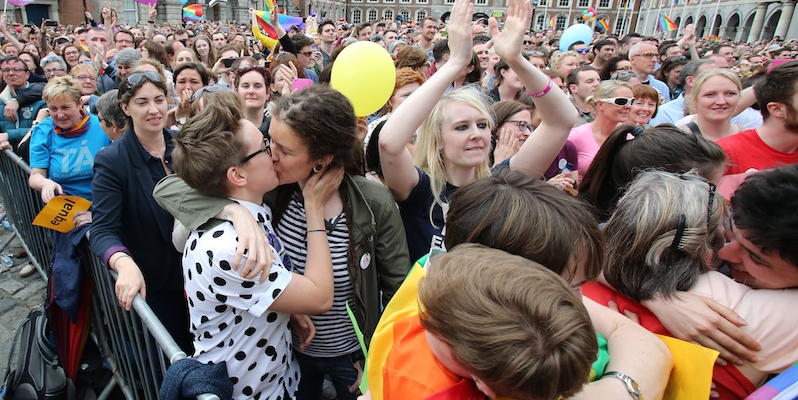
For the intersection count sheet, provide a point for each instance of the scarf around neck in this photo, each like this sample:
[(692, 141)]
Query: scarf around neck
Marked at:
[(78, 129)]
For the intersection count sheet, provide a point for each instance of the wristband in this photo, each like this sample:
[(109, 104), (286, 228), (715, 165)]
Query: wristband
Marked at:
[(542, 92), (150, 22), (317, 230)]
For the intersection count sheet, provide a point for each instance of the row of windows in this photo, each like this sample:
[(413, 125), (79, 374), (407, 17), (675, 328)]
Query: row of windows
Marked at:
[(543, 21), (372, 15), (541, 3)]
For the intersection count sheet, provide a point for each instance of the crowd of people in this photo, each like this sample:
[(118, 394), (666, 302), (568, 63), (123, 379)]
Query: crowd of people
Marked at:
[(519, 220)]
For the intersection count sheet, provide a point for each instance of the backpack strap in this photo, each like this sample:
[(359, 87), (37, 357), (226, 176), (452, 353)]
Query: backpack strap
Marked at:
[(14, 346), (49, 354), (694, 128)]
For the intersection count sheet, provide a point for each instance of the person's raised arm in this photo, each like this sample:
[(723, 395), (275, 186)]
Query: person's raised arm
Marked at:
[(274, 20), (108, 20), (397, 162), (263, 39), (557, 113), (151, 14), (8, 35), (633, 350)]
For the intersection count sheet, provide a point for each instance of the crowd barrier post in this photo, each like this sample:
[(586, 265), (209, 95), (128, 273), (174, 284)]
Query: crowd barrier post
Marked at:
[(134, 343)]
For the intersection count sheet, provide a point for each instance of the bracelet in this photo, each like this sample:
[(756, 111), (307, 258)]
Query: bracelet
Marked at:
[(317, 230), (113, 266), (150, 22), (542, 92)]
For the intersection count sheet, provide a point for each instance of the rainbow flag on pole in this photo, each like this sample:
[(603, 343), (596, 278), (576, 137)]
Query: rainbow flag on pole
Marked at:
[(551, 23), (192, 13), (666, 24), (286, 21), (20, 3), (603, 24)]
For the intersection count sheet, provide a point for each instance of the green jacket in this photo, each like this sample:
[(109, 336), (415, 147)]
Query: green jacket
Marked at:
[(379, 262)]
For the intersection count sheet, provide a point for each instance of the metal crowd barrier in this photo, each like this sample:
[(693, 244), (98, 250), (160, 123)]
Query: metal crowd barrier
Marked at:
[(135, 344)]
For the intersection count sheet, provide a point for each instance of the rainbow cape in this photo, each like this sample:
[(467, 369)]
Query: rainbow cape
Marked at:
[(192, 13), (286, 21), (399, 354), (603, 24), (666, 24)]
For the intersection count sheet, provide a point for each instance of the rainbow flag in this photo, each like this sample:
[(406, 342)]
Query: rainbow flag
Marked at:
[(603, 24), (551, 23), (20, 3), (192, 13), (286, 21), (666, 24), (784, 384)]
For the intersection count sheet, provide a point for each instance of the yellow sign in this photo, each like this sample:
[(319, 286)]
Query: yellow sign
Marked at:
[(58, 214)]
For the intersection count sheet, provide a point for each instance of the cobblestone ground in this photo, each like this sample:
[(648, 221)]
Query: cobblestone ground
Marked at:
[(18, 296)]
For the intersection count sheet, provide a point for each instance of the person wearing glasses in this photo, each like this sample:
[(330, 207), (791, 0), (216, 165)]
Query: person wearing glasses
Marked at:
[(582, 52), (16, 115), (363, 226), (615, 65), (223, 155), (675, 244), (86, 75), (71, 54), (643, 57), (53, 66), (611, 104), (130, 231), (112, 120)]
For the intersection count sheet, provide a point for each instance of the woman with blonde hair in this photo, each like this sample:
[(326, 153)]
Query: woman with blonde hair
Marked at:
[(86, 75), (454, 143), (611, 104), (713, 101), (564, 63)]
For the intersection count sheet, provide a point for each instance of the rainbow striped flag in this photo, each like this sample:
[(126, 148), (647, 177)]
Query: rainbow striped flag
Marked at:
[(666, 24), (20, 3), (286, 21), (192, 13), (551, 23), (603, 24)]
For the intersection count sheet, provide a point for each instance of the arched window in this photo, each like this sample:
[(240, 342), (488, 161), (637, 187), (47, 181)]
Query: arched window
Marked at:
[(373, 15), (357, 16), (387, 14), (561, 21), (420, 15), (405, 13)]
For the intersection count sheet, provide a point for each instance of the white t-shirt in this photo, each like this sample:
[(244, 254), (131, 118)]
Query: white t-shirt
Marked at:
[(770, 319), (230, 317)]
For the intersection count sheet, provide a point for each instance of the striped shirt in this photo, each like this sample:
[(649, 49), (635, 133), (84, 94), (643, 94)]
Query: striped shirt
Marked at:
[(335, 335)]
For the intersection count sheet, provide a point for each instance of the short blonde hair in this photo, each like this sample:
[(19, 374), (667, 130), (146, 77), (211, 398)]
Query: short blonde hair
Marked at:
[(427, 155), (705, 76), (62, 86), (511, 322), (83, 67), (606, 90), (557, 60)]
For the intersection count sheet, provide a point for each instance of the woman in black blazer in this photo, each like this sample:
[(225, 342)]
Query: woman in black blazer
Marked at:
[(131, 232)]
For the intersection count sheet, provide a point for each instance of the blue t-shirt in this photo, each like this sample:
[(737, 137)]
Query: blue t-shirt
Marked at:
[(69, 161), (415, 210)]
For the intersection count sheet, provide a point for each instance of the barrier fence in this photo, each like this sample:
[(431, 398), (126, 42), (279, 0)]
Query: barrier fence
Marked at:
[(134, 344)]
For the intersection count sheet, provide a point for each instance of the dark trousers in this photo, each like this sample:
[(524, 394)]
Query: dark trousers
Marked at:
[(340, 369)]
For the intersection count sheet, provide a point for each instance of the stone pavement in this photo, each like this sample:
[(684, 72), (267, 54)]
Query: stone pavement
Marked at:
[(17, 296)]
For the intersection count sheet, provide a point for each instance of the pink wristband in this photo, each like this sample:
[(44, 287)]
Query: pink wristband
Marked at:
[(542, 92)]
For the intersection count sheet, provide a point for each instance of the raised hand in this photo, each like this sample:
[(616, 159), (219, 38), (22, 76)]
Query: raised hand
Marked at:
[(507, 43), (460, 41), (152, 12)]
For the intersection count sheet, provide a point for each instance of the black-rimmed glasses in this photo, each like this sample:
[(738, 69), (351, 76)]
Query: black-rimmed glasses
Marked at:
[(266, 147), (522, 125), (136, 77)]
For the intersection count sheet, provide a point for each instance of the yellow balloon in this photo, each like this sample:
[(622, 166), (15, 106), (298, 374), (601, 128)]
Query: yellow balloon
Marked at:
[(364, 72)]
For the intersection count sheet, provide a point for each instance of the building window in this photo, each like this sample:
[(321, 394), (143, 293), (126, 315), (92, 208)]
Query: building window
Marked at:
[(449, 1), (405, 14), (564, 3), (420, 15), (130, 12), (422, 1), (541, 21), (620, 24), (482, 2), (405, 1), (584, 3), (543, 2), (357, 16), (561, 21), (387, 14), (605, 4), (374, 1), (372, 15)]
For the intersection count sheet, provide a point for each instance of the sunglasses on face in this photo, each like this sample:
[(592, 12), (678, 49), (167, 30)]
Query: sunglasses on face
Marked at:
[(136, 77), (527, 42), (582, 51), (207, 89), (619, 101), (307, 53), (266, 147)]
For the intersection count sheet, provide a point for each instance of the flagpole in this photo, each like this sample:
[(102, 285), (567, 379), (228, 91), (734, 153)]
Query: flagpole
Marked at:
[(648, 14), (714, 17), (570, 7), (5, 7), (546, 12), (681, 20), (698, 16), (625, 8), (659, 16)]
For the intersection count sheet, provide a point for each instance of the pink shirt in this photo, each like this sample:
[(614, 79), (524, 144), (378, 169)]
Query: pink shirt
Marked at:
[(586, 146), (770, 317)]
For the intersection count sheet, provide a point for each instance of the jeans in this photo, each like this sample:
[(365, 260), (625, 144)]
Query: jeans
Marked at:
[(340, 369)]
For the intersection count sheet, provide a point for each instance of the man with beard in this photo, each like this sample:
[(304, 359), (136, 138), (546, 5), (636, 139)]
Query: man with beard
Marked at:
[(775, 143)]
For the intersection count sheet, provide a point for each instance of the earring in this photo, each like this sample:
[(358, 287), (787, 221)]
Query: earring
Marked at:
[(318, 168)]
